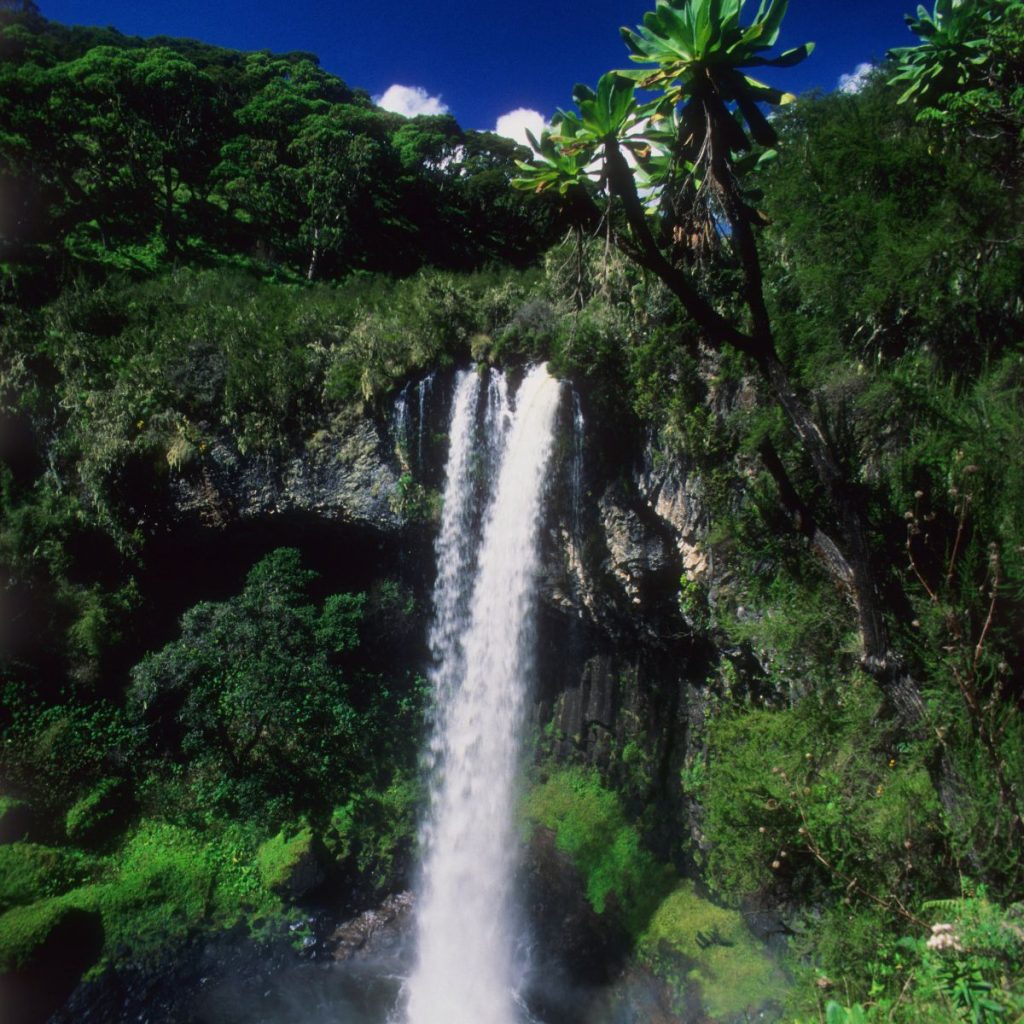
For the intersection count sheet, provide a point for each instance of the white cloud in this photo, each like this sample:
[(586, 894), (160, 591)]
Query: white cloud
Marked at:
[(410, 101), (855, 81), (513, 125)]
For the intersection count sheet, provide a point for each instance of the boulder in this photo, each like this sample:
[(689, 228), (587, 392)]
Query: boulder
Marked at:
[(45, 948), (292, 865)]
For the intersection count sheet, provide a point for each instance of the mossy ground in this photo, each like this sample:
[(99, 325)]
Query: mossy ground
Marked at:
[(715, 950), (164, 884), (23, 930)]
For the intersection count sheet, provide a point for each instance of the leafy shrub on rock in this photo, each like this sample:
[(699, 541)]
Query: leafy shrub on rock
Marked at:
[(253, 697)]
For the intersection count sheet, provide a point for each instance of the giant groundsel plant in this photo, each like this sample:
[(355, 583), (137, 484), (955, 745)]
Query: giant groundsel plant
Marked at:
[(659, 153), (704, 128)]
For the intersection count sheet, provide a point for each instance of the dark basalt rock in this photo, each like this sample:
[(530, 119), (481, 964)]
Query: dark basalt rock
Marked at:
[(576, 952), (382, 930), (41, 984), (17, 822)]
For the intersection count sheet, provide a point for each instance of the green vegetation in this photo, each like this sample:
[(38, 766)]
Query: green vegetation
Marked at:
[(281, 856), (24, 931), (28, 871), (686, 939), (842, 368), (260, 713), (693, 941), (120, 153), (96, 813), (590, 826)]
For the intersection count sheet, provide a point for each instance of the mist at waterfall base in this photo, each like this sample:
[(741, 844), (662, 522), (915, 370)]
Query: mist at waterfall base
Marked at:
[(466, 957)]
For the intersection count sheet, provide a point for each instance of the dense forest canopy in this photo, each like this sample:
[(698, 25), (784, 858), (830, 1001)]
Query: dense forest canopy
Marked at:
[(205, 250), (127, 153)]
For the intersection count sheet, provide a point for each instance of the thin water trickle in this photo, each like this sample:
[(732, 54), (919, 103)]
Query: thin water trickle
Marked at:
[(423, 392), (400, 423), (482, 642), (578, 435)]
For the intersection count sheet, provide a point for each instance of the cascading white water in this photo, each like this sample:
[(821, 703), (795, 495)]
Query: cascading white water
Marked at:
[(482, 642), (423, 392), (576, 488)]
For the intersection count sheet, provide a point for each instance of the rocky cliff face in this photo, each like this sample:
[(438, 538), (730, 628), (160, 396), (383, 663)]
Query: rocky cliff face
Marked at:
[(616, 653), (619, 668), (344, 473)]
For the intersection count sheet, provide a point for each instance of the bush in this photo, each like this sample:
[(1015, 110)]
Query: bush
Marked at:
[(967, 968), (94, 818), (253, 696), (373, 835), (805, 799), (590, 826), (289, 863), (54, 753), (27, 873)]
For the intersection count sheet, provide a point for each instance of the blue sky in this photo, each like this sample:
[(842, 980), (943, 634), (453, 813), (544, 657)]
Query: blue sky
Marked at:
[(481, 60)]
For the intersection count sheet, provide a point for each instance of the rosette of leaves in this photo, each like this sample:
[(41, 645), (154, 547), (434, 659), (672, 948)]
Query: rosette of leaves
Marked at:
[(702, 53), (566, 155), (953, 49), (554, 164)]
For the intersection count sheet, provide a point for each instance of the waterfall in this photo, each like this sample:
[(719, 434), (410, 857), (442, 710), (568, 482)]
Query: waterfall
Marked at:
[(482, 638), (576, 481), (400, 425), (423, 392)]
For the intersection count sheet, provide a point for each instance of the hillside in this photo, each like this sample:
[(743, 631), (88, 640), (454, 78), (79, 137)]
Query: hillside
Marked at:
[(237, 303)]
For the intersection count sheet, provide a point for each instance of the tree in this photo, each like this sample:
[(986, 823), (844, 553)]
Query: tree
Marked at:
[(968, 70), (253, 695), (689, 149), (345, 175)]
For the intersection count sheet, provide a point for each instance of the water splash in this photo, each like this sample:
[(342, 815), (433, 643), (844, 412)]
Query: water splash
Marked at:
[(482, 643)]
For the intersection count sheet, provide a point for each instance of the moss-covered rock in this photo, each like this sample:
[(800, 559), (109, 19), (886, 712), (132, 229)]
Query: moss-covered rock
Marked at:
[(44, 950), (26, 871), (693, 942), (591, 826), (96, 817), (291, 865), (16, 820)]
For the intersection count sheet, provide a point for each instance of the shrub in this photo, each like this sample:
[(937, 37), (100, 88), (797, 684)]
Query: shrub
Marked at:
[(256, 693), (372, 836), (27, 872), (54, 753), (95, 817), (591, 827), (692, 941), (805, 799), (289, 864)]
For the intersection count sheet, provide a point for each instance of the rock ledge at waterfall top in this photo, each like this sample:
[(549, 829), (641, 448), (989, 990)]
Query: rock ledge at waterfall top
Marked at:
[(343, 473)]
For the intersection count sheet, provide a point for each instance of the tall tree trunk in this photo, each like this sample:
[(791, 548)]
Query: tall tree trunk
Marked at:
[(843, 546)]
